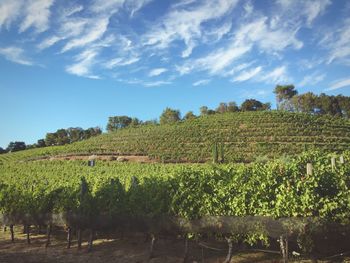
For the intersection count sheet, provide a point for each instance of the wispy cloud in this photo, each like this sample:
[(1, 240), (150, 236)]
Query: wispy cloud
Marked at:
[(341, 83), (184, 23), (157, 72), (337, 40), (216, 61), (201, 82), (10, 10), (311, 80), (119, 62), (278, 75), (156, 83), (246, 75), (295, 10), (37, 14), (16, 55), (84, 63), (94, 31)]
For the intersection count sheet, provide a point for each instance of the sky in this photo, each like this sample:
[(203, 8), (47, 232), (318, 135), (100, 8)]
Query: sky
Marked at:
[(71, 63)]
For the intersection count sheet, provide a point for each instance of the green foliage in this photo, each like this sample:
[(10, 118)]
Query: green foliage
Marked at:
[(254, 105), (246, 135), (273, 189), (169, 116), (119, 122)]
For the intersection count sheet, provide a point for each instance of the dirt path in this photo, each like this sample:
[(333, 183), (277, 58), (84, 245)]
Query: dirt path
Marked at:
[(122, 250), (110, 249)]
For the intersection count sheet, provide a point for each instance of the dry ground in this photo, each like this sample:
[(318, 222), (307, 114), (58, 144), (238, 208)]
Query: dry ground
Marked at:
[(122, 250)]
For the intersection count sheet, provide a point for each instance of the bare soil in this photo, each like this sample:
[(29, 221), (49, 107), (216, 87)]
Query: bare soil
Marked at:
[(117, 249)]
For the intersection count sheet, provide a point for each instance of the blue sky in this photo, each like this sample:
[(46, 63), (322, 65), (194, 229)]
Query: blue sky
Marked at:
[(66, 63)]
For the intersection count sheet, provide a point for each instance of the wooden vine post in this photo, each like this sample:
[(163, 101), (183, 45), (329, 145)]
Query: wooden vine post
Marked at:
[(333, 163), (48, 235), (69, 237), (341, 159), (79, 238), (230, 250), (12, 233), (186, 249), (284, 247), (91, 239), (215, 153), (28, 234), (309, 168), (153, 241)]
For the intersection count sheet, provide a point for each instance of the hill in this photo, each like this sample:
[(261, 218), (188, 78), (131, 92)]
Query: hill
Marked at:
[(245, 136)]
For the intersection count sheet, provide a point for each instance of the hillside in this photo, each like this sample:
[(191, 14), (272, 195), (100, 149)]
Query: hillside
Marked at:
[(246, 136)]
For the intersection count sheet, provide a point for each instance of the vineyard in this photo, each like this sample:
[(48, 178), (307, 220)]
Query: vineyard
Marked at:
[(300, 206), (246, 136)]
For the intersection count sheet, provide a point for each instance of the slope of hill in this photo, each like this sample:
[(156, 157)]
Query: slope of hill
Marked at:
[(245, 135)]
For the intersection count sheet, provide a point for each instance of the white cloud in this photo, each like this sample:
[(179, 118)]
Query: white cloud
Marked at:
[(341, 83), (157, 72), (276, 76), (238, 68), (156, 83), (94, 31), (337, 40), (246, 75), (201, 82), (216, 61), (71, 10), (218, 32), (37, 14), (119, 62), (84, 63), (15, 54), (295, 10), (267, 38), (113, 6), (9, 12), (311, 80), (185, 23), (48, 42)]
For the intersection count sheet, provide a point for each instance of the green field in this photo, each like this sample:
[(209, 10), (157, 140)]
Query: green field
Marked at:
[(264, 177), (246, 136)]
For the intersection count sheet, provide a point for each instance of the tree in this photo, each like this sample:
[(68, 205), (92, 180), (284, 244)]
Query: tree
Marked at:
[(254, 105), (190, 116), (283, 96), (118, 122), (16, 146), (62, 137), (329, 105), (2, 150), (41, 143), (222, 107), (203, 110), (170, 116), (306, 102), (75, 134), (90, 132), (344, 103), (51, 139), (232, 107), (135, 122)]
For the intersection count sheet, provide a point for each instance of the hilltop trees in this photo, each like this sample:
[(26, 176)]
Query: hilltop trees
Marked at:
[(2, 150), (118, 122), (321, 104), (66, 136), (16, 146), (170, 116), (189, 116), (254, 105), (283, 96)]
